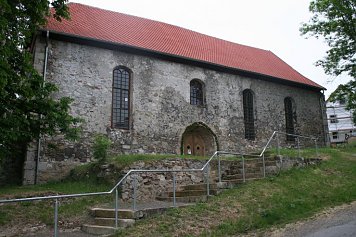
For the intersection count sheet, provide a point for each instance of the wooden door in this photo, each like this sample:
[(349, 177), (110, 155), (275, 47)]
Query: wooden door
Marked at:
[(193, 145)]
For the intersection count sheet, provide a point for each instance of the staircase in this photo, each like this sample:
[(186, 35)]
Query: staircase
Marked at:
[(251, 169), (235, 173), (104, 220), (192, 193)]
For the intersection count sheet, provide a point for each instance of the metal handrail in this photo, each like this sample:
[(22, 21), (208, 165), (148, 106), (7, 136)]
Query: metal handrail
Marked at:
[(132, 171)]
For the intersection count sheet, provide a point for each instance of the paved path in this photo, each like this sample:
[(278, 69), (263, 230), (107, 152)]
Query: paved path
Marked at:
[(336, 222)]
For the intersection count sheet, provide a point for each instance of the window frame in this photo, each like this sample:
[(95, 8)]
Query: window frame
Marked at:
[(121, 90), (197, 95), (249, 115), (289, 118), (335, 135), (333, 118)]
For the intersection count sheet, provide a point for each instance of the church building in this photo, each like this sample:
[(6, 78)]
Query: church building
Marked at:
[(153, 87)]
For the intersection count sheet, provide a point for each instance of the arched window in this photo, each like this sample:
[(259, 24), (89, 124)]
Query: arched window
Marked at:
[(196, 92), (249, 119), (121, 98), (288, 107)]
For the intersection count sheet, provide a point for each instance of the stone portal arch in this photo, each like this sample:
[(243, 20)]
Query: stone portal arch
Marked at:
[(199, 140)]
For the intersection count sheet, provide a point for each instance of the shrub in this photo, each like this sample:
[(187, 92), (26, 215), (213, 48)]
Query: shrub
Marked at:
[(100, 147)]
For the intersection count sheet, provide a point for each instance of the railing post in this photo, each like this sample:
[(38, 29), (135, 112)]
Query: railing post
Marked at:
[(134, 191), (56, 218), (207, 181), (316, 148), (174, 189), (278, 151), (298, 145), (264, 165), (116, 207), (243, 169), (219, 168)]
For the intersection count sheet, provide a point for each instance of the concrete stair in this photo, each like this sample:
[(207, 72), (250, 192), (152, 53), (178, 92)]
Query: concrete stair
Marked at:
[(253, 169), (98, 230), (104, 218), (192, 193)]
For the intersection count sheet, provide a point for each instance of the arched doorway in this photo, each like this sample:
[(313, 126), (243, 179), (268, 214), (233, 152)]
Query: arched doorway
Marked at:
[(198, 140)]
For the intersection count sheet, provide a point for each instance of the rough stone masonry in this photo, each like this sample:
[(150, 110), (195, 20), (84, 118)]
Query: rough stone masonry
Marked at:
[(160, 110)]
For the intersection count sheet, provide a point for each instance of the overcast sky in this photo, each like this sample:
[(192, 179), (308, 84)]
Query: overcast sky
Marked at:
[(272, 25)]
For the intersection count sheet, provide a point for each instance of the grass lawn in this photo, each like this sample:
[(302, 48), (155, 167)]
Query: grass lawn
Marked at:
[(258, 205), (290, 196), (42, 211)]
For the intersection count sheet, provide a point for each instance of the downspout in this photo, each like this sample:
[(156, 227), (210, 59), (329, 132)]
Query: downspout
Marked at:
[(44, 80)]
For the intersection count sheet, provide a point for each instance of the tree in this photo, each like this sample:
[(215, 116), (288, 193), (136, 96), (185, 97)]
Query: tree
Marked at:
[(335, 20), (27, 109), (346, 93)]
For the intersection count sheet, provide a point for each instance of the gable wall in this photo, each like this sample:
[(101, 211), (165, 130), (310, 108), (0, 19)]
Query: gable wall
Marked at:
[(160, 99)]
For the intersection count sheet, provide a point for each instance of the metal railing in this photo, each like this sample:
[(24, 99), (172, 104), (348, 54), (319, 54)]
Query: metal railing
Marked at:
[(205, 169)]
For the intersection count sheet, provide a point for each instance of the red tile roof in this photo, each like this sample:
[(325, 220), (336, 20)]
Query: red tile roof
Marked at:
[(98, 24)]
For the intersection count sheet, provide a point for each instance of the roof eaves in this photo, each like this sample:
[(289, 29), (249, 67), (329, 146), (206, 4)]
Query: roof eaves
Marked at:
[(201, 62)]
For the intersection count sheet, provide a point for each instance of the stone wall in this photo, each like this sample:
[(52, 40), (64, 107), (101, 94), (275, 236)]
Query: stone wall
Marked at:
[(161, 109), (151, 184)]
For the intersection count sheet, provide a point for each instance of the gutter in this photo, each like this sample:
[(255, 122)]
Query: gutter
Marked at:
[(44, 80)]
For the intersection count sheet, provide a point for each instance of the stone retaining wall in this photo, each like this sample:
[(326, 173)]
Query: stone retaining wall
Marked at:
[(151, 184)]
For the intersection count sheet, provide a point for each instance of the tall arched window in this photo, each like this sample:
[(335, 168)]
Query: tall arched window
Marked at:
[(249, 120), (121, 98), (288, 107), (196, 92)]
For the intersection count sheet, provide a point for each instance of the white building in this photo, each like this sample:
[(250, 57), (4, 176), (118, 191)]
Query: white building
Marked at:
[(340, 122)]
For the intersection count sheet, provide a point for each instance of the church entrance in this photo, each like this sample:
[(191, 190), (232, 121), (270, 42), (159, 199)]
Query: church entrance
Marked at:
[(198, 140), (194, 145)]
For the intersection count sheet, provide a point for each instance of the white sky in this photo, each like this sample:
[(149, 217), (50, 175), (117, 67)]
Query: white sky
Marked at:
[(272, 25)]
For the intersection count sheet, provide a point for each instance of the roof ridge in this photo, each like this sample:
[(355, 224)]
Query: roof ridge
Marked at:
[(105, 25)]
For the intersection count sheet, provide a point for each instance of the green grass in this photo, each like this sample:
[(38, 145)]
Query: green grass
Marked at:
[(82, 179), (30, 212), (274, 201), (259, 205)]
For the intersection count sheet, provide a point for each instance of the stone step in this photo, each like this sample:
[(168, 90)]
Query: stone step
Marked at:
[(247, 170), (187, 199), (98, 230), (201, 186), (123, 223), (122, 213), (252, 164), (190, 193), (240, 176), (233, 182)]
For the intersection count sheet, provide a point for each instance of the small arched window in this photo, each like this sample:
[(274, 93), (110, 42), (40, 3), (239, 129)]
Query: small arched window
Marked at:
[(249, 119), (288, 107), (121, 98), (196, 92)]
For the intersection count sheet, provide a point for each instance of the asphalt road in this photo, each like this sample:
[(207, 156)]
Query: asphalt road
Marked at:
[(336, 222)]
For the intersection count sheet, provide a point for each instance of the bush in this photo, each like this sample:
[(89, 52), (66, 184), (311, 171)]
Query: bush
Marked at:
[(100, 147)]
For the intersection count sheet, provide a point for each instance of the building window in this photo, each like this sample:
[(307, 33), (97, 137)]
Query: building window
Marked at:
[(333, 118), (196, 92), (335, 135), (288, 108), (121, 98), (249, 120)]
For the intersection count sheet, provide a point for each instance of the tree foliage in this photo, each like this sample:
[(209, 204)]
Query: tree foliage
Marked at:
[(27, 109), (335, 20), (346, 93)]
